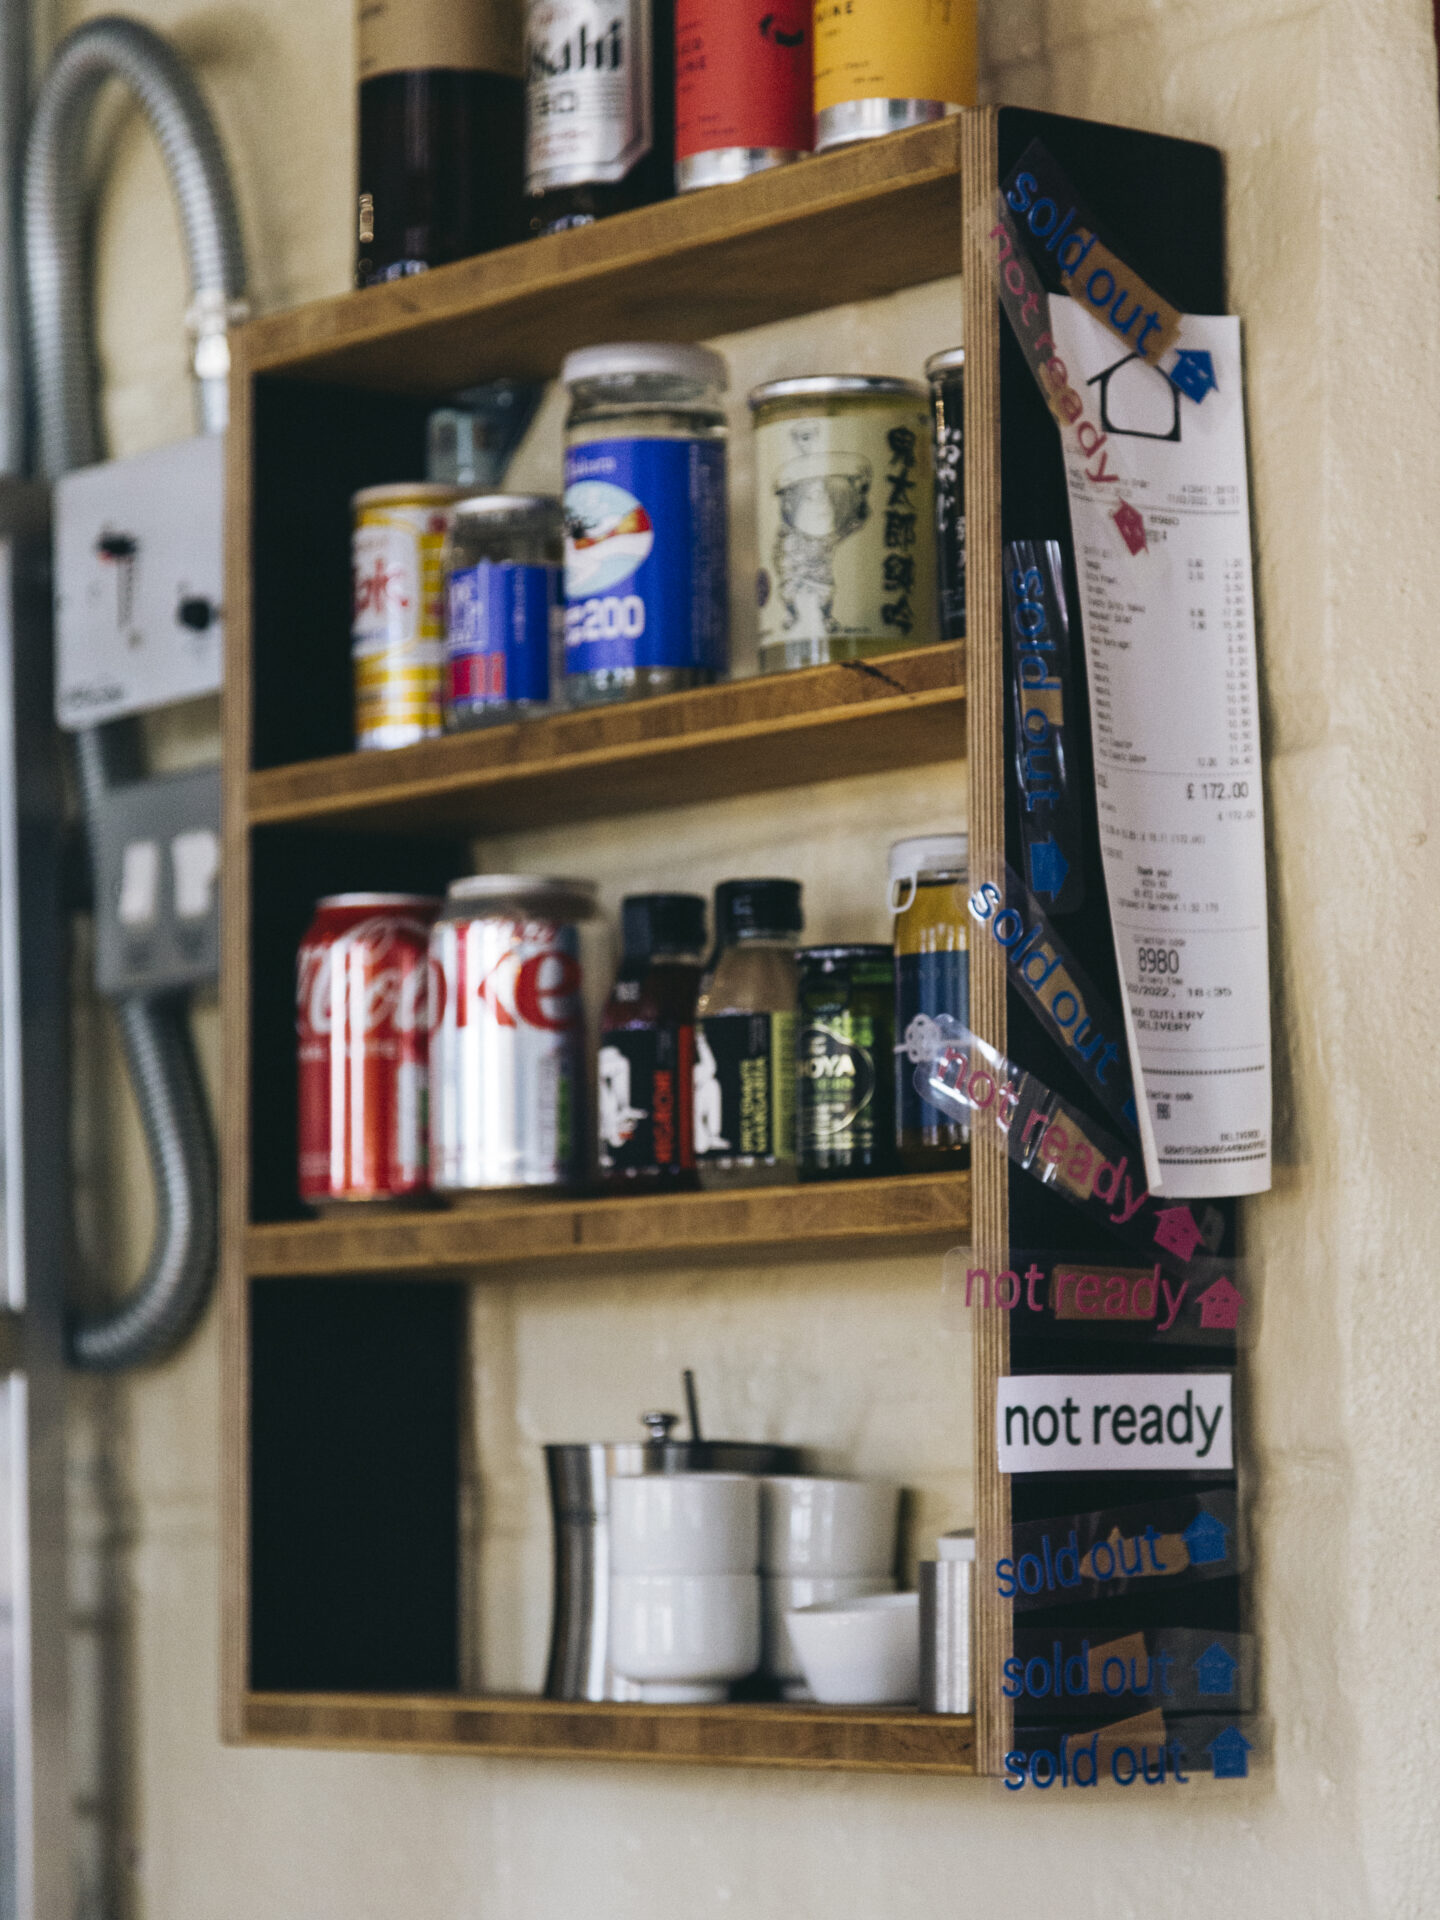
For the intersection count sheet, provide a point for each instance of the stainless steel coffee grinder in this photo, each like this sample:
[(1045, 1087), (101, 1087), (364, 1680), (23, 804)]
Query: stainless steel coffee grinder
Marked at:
[(580, 1477)]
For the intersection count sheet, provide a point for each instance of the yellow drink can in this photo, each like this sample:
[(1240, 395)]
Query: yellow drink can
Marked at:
[(883, 65), (398, 626)]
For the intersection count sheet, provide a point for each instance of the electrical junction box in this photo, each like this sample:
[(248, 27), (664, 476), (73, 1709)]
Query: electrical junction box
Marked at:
[(157, 871), (139, 582)]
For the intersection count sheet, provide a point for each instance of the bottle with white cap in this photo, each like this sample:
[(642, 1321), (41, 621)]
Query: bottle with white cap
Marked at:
[(928, 882), (646, 601)]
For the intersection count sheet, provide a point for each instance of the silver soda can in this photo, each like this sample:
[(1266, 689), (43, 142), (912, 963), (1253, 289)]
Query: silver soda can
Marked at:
[(508, 1100)]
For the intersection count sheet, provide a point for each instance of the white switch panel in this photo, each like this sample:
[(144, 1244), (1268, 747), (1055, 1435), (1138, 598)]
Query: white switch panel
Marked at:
[(139, 582)]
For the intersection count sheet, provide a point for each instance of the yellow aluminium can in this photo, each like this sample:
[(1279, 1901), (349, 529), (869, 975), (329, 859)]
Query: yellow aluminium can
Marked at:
[(845, 519), (398, 628), (883, 65)]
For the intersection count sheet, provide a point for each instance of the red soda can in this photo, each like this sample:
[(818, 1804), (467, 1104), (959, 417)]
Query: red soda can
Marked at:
[(362, 1010), (744, 88)]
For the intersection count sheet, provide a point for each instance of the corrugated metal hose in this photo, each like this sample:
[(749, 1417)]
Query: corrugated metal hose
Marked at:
[(154, 1031)]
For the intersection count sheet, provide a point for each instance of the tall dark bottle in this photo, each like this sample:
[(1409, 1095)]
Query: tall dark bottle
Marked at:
[(599, 108), (442, 112)]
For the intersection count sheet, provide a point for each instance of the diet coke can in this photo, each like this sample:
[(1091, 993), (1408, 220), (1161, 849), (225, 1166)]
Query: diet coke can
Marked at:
[(363, 1015), (507, 1041)]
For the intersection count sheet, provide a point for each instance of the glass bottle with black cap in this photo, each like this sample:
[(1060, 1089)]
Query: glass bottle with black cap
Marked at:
[(745, 1037), (647, 1046)]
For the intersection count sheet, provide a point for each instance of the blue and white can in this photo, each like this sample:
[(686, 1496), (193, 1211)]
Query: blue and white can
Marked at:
[(646, 598), (504, 628)]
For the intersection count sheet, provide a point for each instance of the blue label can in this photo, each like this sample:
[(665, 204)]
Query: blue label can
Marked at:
[(645, 559), (504, 621)]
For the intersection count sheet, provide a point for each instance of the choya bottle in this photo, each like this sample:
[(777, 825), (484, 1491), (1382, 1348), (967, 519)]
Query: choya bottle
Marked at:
[(599, 108), (928, 881), (745, 1038), (647, 1046), (441, 133)]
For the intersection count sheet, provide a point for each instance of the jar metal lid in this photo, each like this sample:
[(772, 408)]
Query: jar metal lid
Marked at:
[(378, 900), (629, 357), (952, 360), (827, 386), (407, 493), (507, 506), (859, 950), (575, 897)]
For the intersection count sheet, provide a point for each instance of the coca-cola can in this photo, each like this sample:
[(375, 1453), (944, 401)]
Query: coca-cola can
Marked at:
[(507, 1042), (362, 1010)]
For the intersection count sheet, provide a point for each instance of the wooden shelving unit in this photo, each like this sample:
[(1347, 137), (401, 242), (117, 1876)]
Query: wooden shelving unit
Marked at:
[(333, 397)]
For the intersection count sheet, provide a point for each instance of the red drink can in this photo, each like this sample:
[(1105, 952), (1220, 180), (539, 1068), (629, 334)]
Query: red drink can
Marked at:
[(744, 88), (362, 1011)]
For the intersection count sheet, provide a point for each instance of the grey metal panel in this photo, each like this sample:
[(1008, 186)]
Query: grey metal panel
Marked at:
[(34, 1234)]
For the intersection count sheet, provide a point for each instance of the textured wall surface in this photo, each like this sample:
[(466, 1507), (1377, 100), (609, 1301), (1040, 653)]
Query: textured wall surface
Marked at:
[(1327, 113)]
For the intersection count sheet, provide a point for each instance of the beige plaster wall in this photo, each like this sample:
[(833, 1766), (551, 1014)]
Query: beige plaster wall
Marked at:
[(1327, 113)]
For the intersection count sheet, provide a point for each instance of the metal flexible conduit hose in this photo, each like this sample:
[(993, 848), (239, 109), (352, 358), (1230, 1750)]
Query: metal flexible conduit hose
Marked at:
[(155, 1037)]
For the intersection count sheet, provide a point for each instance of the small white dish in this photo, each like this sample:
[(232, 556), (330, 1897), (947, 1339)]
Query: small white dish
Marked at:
[(860, 1653), (690, 1634), (782, 1593), (827, 1529), (685, 1523)]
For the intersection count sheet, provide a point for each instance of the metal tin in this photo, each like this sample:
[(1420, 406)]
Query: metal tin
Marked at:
[(884, 65), (398, 626), (505, 624), (507, 1046), (744, 101), (946, 374), (845, 506), (945, 1606), (844, 1049), (362, 1016)]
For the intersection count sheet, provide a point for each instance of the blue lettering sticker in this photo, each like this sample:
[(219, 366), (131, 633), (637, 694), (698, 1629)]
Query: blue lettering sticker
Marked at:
[(645, 560), (501, 618)]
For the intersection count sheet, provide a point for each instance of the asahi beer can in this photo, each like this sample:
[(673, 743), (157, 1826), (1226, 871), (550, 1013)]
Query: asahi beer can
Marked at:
[(744, 88), (362, 1013), (884, 65), (845, 506), (507, 1044), (398, 630)]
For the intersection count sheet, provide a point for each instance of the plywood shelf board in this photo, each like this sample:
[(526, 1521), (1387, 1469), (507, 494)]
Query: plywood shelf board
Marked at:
[(745, 736), (873, 1739), (505, 1234), (846, 226)]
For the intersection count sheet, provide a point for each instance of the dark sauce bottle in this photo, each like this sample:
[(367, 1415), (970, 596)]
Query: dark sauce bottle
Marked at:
[(599, 109), (647, 1047), (442, 110)]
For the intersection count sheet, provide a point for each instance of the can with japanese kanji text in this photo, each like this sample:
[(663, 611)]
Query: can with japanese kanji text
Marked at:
[(362, 1008), (744, 88), (508, 1042), (398, 629)]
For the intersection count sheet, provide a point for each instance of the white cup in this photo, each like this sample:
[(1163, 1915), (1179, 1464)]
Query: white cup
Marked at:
[(860, 1653), (781, 1593), (684, 1523), (684, 1636), (828, 1529)]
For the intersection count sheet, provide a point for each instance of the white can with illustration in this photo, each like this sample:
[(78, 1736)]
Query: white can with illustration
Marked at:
[(845, 509)]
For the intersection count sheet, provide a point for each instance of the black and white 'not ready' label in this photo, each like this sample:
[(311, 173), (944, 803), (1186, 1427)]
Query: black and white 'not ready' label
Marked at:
[(1100, 1422)]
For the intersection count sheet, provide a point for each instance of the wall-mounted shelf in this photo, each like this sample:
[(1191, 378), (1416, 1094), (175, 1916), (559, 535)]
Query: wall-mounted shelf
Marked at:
[(510, 1233), (747, 736), (870, 1739)]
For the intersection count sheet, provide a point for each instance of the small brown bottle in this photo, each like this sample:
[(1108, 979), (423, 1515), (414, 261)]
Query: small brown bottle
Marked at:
[(647, 1046), (745, 1039)]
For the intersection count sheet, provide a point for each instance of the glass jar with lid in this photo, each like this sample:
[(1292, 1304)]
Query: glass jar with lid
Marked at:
[(646, 602), (744, 1111), (928, 882), (503, 628), (845, 518)]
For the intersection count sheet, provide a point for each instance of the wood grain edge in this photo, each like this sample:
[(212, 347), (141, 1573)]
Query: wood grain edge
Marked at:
[(564, 263), (234, 1061), (985, 713), (824, 1739)]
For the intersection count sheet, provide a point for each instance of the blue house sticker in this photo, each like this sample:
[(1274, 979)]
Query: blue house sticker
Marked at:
[(1215, 1671), (1229, 1754), (1206, 1538)]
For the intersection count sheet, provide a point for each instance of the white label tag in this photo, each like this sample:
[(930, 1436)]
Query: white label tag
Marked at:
[(1101, 1422)]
